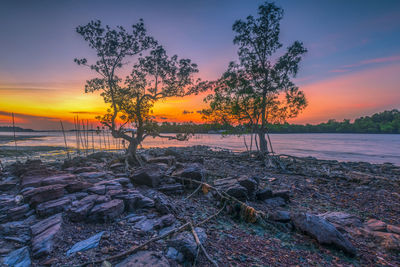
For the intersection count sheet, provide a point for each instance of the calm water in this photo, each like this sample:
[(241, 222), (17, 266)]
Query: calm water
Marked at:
[(372, 148)]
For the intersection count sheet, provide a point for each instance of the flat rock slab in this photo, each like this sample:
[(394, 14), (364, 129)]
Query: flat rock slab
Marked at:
[(322, 230), (149, 175), (79, 210), (45, 193), (145, 259), (107, 211), (184, 242), (18, 258), (54, 206), (44, 233), (86, 244)]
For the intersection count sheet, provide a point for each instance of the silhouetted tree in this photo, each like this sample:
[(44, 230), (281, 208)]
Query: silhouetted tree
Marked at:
[(256, 90), (154, 76)]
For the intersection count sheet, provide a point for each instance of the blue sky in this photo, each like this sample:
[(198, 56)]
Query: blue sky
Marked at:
[(38, 41)]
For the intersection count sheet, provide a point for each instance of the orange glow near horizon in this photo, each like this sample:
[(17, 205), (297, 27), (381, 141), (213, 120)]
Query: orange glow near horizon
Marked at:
[(346, 96)]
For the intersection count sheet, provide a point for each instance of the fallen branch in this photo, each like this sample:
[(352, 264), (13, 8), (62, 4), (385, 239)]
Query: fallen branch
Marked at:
[(200, 245), (135, 249)]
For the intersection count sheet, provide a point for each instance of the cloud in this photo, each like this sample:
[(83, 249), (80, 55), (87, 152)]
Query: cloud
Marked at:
[(346, 68), (86, 112)]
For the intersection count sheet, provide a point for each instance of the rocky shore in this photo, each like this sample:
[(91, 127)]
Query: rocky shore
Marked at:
[(297, 211)]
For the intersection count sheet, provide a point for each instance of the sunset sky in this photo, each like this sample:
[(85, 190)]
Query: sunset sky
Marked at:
[(352, 67)]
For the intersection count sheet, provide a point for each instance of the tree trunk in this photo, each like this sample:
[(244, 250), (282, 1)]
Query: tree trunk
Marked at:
[(263, 142), (131, 155)]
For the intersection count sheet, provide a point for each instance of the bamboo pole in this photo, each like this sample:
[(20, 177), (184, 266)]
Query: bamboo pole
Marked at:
[(91, 128)]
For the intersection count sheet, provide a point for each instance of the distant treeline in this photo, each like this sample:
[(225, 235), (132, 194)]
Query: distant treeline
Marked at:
[(11, 129), (383, 122)]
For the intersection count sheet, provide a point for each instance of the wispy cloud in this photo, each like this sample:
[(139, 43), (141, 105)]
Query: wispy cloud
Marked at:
[(380, 60)]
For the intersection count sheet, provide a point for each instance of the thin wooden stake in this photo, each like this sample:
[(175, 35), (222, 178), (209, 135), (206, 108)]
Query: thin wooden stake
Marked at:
[(15, 139), (65, 140)]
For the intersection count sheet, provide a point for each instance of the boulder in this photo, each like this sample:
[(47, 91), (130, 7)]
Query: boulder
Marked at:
[(44, 193), (184, 242), (86, 244), (107, 211), (145, 258), (150, 176), (18, 258), (323, 231)]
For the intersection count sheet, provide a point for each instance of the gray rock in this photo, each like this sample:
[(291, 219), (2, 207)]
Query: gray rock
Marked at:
[(80, 209), (146, 225), (163, 204), (280, 216), (107, 211), (43, 240), (342, 219), (135, 218), (285, 194), (184, 242), (264, 194), (44, 193), (97, 189), (169, 160), (58, 179), (133, 200), (323, 231), (18, 258), (194, 171), (171, 188), (275, 202), (18, 212), (237, 191), (18, 231), (251, 184), (149, 176), (175, 255), (86, 244), (53, 206), (145, 259)]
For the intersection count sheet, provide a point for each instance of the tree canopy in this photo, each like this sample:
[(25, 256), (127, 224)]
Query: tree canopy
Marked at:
[(258, 89), (154, 76)]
